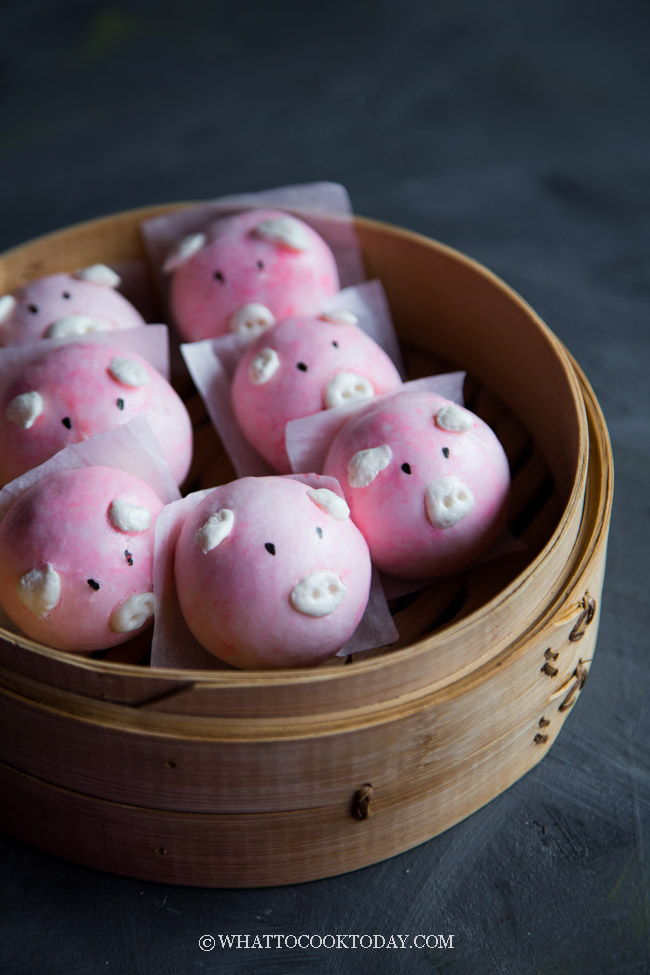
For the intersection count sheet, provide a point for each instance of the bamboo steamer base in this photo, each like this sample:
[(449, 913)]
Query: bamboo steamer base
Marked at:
[(252, 779)]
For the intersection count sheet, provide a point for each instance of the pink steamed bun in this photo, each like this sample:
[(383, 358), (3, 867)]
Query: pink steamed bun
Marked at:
[(64, 305), (303, 365), (427, 483), (76, 558), (75, 390), (248, 271), (272, 573)]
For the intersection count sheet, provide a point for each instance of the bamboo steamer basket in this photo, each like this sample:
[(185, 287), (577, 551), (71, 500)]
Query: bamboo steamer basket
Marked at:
[(232, 779)]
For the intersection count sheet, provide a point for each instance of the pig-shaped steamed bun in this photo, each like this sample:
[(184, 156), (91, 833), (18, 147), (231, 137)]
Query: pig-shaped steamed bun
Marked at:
[(272, 573), (427, 483), (247, 271), (69, 392), (62, 305), (305, 364), (76, 558)]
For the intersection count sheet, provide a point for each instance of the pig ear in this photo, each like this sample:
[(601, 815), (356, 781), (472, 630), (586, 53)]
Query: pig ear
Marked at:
[(40, 589), (214, 530), (454, 419), (284, 231), (183, 250), (365, 465), (25, 409), (128, 516), (330, 502), (99, 274), (7, 305), (339, 316)]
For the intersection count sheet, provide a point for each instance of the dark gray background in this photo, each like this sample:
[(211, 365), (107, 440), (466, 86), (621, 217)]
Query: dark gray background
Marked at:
[(517, 132)]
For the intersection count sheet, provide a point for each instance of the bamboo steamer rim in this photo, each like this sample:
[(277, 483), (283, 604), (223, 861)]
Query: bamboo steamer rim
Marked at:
[(427, 643)]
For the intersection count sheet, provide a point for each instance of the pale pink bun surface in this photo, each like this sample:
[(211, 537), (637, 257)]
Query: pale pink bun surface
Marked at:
[(78, 389), (76, 558), (301, 366), (426, 480), (272, 573), (64, 305), (245, 262)]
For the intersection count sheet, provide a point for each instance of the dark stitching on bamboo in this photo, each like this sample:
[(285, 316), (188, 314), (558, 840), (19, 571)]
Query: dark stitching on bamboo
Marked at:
[(549, 669), (551, 655), (540, 739), (588, 604), (361, 802), (544, 722), (581, 673)]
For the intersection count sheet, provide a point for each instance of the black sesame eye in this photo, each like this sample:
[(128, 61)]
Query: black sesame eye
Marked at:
[(120, 403), (67, 422), (66, 294), (302, 366), (260, 265), (445, 451), (319, 532), (93, 585), (128, 557), (335, 344), (33, 309), (406, 468), (219, 276), (270, 548)]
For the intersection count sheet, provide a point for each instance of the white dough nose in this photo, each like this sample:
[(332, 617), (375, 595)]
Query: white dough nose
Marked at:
[(347, 387), (447, 500), (74, 325), (318, 594), (251, 320)]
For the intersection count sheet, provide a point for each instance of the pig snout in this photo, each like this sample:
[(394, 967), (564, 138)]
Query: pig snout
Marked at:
[(318, 594), (251, 320), (347, 387), (74, 325), (447, 501)]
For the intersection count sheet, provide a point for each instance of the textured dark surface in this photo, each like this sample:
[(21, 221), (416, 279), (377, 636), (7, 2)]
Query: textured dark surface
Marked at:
[(520, 134)]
